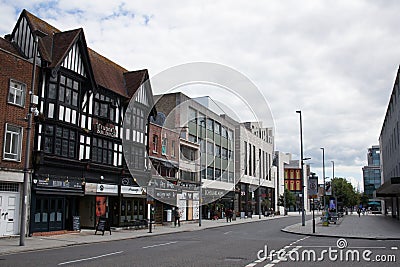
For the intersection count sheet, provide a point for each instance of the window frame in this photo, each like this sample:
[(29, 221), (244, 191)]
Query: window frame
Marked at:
[(23, 93), (19, 145)]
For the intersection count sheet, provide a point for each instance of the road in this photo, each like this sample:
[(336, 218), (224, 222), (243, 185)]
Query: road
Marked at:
[(235, 245)]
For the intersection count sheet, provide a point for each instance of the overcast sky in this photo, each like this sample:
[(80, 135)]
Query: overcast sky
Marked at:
[(334, 60)]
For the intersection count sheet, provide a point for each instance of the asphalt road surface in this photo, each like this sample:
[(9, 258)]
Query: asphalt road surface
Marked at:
[(236, 245)]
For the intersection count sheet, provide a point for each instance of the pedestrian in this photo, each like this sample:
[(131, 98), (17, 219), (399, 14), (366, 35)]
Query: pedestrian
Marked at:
[(359, 212), (231, 215), (227, 214), (177, 217)]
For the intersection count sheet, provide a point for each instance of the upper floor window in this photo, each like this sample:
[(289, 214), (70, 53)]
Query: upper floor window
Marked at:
[(164, 146), (192, 115), (210, 124), (224, 132), (155, 143), (217, 151), (217, 128), (16, 93), (68, 91), (102, 151), (173, 147), (64, 141), (13, 143), (230, 135), (104, 107), (136, 120), (202, 120)]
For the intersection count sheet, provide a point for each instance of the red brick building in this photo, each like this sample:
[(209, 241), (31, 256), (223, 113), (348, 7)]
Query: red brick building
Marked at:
[(15, 84), (164, 155)]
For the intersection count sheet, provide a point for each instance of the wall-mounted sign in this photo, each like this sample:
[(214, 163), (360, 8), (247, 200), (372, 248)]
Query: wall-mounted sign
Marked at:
[(131, 190), (107, 188), (57, 182), (108, 130)]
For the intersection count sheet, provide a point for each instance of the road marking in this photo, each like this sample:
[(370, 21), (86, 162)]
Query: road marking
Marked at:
[(282, 250), (91, 258), (163, 244), (394, 248), (227, 232)]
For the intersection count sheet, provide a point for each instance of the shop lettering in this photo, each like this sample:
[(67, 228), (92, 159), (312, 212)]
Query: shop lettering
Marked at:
[(105, 130)]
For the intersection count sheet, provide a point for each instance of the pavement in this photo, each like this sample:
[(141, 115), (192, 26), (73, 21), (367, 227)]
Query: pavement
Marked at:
[(369, 226), (10, 245), (350, 226)]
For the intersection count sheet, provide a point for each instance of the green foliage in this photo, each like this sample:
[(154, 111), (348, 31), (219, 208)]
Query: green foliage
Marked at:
[(345, 192), (290, 199)]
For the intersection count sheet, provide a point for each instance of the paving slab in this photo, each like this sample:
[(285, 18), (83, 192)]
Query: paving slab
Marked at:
[(369, 226)]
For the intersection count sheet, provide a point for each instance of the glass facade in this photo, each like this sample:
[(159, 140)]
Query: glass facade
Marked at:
[(372, 172)]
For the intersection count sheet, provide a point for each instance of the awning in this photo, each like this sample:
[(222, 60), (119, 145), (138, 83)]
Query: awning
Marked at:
[(391, 188)]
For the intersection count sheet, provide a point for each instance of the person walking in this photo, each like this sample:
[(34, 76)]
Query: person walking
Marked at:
[(177, 217), (359, 212)]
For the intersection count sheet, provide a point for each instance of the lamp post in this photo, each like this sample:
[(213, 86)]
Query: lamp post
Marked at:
[(323, 173), (284, 200), (200, 192), (259, 190), (333, 177), (303, 217), (31, 109)]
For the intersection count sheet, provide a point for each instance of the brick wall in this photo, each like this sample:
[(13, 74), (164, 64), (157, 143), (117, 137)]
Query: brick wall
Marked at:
[(19, 69)]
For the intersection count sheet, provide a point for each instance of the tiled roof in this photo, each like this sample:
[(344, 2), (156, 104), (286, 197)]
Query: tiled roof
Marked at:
[(134, 79), (62, 42), (107, 73)]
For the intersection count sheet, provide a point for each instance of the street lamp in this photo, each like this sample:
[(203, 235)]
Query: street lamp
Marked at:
[(284, 200), (303, 217), (323, 173), (200, 192), (31, 110)]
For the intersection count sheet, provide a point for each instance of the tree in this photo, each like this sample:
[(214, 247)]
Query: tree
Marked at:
[(344, 192), (290, 199)]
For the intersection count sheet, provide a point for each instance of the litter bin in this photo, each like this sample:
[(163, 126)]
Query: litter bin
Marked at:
[(169, 215)]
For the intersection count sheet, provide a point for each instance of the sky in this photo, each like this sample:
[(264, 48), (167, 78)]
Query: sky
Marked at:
[(336, 61)]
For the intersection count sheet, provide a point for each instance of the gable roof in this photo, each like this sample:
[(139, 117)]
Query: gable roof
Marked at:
[(134, 79), (55, 46), (62, 43)]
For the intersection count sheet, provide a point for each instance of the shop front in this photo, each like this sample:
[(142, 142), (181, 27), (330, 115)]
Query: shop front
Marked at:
[(100, 200), (55, 200), (133, 205)]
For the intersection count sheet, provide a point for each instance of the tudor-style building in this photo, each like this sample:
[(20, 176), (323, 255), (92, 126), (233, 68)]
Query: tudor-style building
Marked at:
[(79, 161)]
